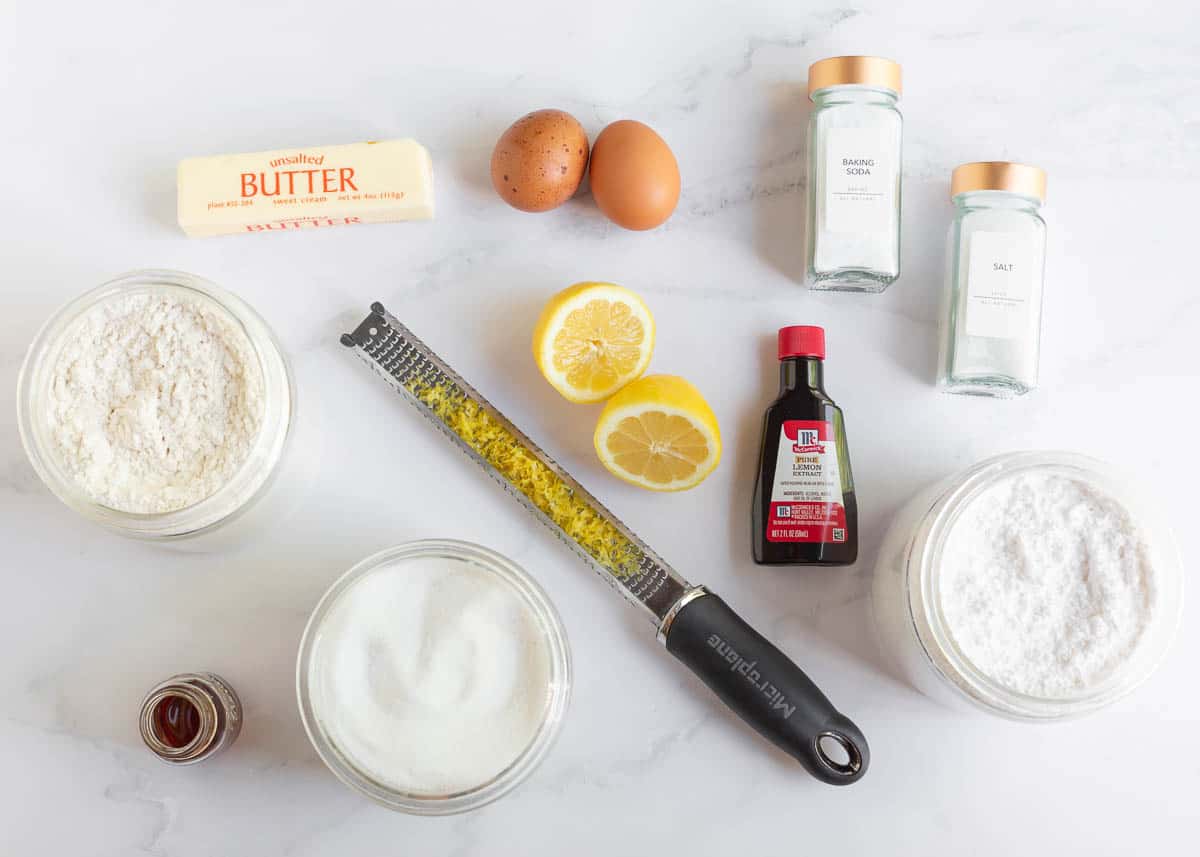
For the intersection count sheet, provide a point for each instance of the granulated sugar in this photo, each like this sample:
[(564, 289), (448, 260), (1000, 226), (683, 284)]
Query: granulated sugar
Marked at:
[(154, 402), (431, 675), (1047, 584)]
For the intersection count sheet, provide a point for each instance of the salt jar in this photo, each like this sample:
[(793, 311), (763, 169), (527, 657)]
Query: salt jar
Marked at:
[(854, 137), (996, 253)]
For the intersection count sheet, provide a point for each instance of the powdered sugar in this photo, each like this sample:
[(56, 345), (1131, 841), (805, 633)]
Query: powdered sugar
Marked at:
[(154, 401), (1047, 584)]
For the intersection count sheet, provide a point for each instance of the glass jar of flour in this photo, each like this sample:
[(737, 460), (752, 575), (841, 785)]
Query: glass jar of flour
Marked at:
[(159, 406), (996, 254), (854, 166)]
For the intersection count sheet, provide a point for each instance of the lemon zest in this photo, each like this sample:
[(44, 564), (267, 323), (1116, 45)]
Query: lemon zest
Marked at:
[(527, 473)]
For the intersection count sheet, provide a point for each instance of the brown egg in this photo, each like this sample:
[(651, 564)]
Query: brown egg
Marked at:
[(539, 161), (635, 178)]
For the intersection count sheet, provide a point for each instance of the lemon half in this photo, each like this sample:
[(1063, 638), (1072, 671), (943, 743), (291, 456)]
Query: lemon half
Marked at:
[(659, 433), (592, 339)]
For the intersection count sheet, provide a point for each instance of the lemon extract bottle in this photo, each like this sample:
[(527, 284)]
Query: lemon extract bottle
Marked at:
[(804, 512)]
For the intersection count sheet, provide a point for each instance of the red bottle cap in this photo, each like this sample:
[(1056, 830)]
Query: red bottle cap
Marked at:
[(802, 340)]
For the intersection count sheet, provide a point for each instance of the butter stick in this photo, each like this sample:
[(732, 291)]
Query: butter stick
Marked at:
[(310, 188)]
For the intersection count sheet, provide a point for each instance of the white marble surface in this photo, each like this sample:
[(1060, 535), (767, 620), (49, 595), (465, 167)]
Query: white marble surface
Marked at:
[(101, 100)]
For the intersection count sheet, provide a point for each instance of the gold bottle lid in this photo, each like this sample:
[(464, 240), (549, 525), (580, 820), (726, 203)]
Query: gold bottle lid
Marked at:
[(999, 175), (851, 71)]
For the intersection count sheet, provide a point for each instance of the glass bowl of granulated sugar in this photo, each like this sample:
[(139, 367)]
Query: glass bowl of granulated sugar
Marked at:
[(1036, 586)]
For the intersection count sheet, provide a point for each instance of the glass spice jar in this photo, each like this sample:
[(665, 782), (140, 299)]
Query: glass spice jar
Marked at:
[(854, 166), (992, 316), (190, 717)]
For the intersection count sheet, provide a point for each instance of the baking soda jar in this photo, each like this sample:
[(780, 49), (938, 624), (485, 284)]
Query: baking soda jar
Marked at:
[(854, 167), (1035, 586), (131, 391)]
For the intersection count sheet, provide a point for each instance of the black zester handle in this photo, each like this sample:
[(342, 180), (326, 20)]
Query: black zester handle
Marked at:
[(764, 688)]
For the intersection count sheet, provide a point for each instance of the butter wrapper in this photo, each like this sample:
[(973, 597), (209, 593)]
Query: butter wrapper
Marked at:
[(312, 188)]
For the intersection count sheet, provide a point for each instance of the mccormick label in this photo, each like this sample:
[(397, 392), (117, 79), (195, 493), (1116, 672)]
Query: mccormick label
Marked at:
[(806, 497)]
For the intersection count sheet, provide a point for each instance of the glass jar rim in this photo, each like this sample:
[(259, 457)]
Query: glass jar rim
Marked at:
[(933, 631), (561, 678), (996, 193), (854, 87), (206, 711), (247, 484)]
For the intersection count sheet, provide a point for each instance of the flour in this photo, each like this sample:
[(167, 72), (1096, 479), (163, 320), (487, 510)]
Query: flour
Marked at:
[(154, 402), (1047, 584)]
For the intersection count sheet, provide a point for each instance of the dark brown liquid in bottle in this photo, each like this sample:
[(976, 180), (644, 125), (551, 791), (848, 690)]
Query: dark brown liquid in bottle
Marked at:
[(176, 721), (802, 396)]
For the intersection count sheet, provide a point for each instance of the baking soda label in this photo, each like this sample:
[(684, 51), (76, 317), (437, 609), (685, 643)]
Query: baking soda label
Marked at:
[(806, 496), (1000, 285), (859, 181)]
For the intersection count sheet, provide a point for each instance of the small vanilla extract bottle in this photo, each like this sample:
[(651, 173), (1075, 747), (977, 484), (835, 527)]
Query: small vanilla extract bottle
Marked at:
[(804, 510), (190, 717)]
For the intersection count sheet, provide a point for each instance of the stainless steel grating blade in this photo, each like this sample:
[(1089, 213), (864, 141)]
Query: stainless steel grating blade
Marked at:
[(405, 362)]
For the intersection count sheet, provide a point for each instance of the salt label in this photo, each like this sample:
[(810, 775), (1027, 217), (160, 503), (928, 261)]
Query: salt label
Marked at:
[(1000, 285)]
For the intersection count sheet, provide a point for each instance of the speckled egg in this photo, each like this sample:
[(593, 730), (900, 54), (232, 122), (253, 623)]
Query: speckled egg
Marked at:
[(540, 160), (634, 175)]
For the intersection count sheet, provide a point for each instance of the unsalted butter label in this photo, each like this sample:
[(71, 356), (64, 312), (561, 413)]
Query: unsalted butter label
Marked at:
[(859, 181), (1000, 284), (290, 189)]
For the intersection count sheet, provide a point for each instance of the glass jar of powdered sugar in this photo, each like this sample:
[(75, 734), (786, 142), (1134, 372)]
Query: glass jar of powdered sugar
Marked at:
[(159, 406), (854, 167), (1036, 586)]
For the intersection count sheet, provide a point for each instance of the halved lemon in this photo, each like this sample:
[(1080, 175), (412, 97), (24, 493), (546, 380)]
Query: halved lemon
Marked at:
[(658, 432), (592, 339)]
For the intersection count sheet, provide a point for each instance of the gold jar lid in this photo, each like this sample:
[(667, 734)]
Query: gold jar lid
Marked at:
[(999, 175), (852, 71)]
